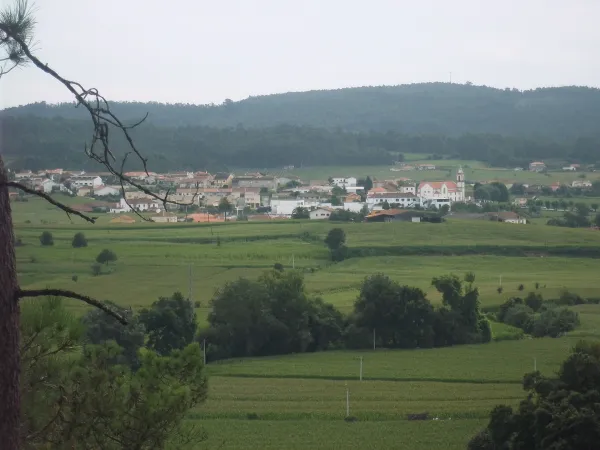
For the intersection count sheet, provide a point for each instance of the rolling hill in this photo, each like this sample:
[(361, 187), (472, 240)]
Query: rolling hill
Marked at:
[(562, 113)]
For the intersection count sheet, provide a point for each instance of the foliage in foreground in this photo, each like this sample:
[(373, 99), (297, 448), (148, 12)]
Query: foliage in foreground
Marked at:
[(82, 400), (560, 413)]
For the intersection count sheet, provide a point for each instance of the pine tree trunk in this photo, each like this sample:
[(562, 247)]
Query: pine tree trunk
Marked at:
[(9, 326)]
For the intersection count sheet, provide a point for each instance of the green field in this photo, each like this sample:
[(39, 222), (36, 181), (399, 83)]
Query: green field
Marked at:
[(299, 400), (474, 171)]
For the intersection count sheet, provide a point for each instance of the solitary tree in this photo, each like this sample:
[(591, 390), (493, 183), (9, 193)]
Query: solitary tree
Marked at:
[(300, 213), (106, 256), (335, 239), (16, 35), (46, 238), (79, 241)]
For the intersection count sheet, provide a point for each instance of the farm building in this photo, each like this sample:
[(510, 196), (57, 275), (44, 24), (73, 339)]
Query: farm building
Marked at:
[(123, 219)]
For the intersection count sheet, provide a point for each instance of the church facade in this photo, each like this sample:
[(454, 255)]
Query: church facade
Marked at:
[(452, 190)]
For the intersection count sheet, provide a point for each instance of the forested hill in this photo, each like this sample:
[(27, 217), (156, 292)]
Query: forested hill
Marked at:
[(31, 142), (560, 114)]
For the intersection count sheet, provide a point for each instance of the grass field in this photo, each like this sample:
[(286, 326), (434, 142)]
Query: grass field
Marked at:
[(298, 401), (474, 171)]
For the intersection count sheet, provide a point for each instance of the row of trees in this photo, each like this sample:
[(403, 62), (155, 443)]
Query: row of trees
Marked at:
[(35, 143), (274, 315), (94, 383)]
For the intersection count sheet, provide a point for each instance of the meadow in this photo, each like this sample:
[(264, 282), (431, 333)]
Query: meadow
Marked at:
[(299, 401)]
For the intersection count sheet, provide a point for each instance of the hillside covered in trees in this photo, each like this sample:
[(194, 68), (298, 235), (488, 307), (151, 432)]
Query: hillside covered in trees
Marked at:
[(358, 126), (428, 108)]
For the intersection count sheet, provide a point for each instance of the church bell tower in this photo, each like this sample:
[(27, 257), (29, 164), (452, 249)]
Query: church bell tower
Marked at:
[(460, 184)]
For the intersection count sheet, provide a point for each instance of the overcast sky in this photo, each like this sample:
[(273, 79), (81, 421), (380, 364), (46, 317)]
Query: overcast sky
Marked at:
[(203, 51)]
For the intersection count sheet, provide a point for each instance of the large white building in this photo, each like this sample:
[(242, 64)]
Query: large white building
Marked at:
[(86, 180), (454, 191), (344, 182), (398, 198)]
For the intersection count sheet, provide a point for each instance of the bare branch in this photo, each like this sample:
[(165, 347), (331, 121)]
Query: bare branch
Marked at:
[(49, 199), (70, 294), (102, 117)]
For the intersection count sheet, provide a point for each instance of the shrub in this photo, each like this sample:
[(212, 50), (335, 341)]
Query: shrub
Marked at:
[(278, 267), (18, 242), (500, 289), (75, 278), (555, 321), (570, 298), (197, 304), (32, 259), (96, 269), (520, 316), (521, 287), (339, 254), (106, 256), (79, 241), (252, 416), (46, 238), (504, 307), (534, 301)]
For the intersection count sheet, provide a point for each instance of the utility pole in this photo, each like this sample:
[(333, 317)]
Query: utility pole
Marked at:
[(347, 401), (361, 368)]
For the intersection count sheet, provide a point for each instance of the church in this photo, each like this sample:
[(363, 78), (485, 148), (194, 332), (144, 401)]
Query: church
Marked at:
[(454, 191)]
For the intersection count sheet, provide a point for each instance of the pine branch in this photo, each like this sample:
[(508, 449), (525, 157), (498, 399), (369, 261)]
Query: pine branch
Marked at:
[(70, 294)]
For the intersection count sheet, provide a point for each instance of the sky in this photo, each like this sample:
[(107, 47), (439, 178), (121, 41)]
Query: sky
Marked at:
[(204, 51)]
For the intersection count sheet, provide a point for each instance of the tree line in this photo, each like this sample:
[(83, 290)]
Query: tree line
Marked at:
[(275, 315), (31, 142)]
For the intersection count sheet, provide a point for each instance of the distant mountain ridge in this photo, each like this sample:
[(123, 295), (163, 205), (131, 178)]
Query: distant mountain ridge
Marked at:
[(562, 113)]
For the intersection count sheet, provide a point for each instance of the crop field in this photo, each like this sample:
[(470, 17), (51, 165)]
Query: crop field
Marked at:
[(299, 401)]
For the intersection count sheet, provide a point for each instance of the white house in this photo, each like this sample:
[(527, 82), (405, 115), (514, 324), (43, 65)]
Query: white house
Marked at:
[(320, 214), (141, 204), (106, 190), (537, 166), (570, 169), (411, 189), (355, 207), (402, 200), (86, 180), (47, 185), (344, 182), (285, 206)]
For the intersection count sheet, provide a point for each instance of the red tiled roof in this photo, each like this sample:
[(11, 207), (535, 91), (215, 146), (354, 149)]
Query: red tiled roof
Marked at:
[(451, 185)]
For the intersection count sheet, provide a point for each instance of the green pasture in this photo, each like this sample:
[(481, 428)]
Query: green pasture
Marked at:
[(326, 435), (298, 401), (445, 170)]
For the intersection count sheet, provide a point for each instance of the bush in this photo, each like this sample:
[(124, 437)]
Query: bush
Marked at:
[(555, 321), (521, 287), (278, 267), (339, 254), (75, 278), (18, 242), (197, 304), (534, 301), (570, 298), (252, 416), (96, 269), (46, 238), (520, 316), (106, 256), (500, 289), (79, 241)]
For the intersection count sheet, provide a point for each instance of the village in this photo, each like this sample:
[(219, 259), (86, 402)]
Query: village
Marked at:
[(203, 197)]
